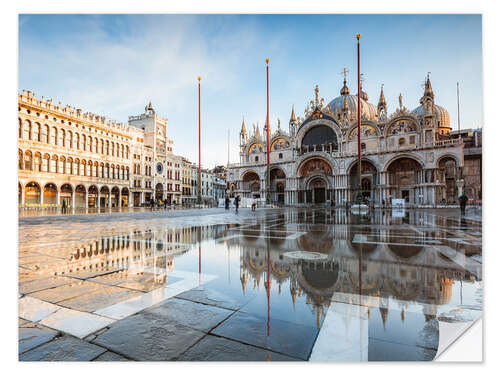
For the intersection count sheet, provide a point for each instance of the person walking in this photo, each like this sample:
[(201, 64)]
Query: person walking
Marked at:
[(227, 202), (254, 203), (237, 202), (463, 202), (64, 206)]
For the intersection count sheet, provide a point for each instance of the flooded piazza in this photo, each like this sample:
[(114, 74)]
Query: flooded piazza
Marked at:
[(295, 284)]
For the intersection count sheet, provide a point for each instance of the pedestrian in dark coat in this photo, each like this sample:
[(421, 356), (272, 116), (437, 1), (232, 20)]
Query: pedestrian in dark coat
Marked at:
[(463, 202)]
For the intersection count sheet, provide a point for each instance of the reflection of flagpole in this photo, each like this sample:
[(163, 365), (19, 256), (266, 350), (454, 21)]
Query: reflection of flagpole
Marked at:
[(268, 292), (358, 36), (268, 175)]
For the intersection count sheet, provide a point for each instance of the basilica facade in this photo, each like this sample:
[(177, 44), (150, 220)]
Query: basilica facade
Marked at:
[(409, 154)]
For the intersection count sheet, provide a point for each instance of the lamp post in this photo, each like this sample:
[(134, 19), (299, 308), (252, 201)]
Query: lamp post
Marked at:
[(199, 140), (268, 174)]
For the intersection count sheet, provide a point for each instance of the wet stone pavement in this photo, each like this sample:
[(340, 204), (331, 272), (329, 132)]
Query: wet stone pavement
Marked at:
[(296, 284)]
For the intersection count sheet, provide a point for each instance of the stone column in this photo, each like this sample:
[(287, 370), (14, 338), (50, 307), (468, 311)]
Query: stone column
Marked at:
[(22, 197), (58, 197), (86, 199), (119, 205), (109, 199), (98, 203), (41, 195), (73, 199)]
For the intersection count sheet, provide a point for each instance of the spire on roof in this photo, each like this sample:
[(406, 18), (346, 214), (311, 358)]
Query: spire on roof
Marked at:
[(382, 104), (293, 118)]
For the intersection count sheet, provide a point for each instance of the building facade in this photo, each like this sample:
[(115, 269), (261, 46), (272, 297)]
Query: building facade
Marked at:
[(408, 155), (82, 160)]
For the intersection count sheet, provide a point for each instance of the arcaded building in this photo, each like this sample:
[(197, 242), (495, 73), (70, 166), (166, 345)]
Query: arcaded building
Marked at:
[(406, 154), (84, 160)]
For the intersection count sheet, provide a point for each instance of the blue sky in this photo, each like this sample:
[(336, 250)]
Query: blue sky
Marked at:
[(114, 64)]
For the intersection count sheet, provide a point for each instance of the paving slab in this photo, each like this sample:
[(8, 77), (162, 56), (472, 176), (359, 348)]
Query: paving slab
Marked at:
[(209, 296), (212, 348), (30, 337), (99, 298), (76, 323), (111, 357), (64, 348), (67, 291), (147, 337), (33, 309), (294, 340), (31, 286), (190, 314)]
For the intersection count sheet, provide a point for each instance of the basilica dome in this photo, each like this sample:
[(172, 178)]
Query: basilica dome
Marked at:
[(368, 110), (442, 115)]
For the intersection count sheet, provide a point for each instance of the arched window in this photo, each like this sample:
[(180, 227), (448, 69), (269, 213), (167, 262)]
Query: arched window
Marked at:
[(102, 146), (401, 141), (77, 141), (62, 165), (256, 158), (20, 161), (37, 167), (62, 140), (112, 148), (84, 142), (53, 136), (121, 151), (69, 166), (53, 164), (45, 134), (76, 167), (69, 139), (91, 144), (35, 136), (107, 147), (280, 155), (28, 161), (45, 163), (126, 156), (26, 129), (20, 135)]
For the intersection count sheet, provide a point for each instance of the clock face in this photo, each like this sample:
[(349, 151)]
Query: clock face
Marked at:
[(159, 168)]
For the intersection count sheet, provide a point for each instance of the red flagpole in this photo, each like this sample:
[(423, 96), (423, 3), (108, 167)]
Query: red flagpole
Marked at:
[(268, 179), (199, 122), (358, 36)]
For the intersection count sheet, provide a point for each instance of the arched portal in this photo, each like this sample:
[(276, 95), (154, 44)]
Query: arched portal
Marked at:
[(251, 185), (315, 174), (80, 192), (403, 179), (448, 175), (278, 181), (104, 196), (32, 193), (93, 194), (159, 191), (368, 180), (50, 194), (125, 197), (19, 193), (115, 196), (66, 195)]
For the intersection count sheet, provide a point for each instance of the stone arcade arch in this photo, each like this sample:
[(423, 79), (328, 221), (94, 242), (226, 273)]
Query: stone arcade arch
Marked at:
[(159, 191), (115, 196), (251, 185), (448, 174), (32, 193), (369, 179), (66, 195), (50, 193), (80, 196), (315, 175), (403, 178), (125, 197), (104, 197), (278, 183), (93, 194)]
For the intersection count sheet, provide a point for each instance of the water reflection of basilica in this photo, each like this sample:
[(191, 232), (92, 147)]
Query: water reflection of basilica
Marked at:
[(389, 265)]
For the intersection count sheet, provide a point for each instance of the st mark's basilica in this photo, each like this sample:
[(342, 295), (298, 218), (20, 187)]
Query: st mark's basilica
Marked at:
[(409, 154)]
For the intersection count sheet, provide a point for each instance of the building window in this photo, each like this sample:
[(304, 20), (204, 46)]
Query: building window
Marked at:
[(280, 156), (363, 146), (401, 141), (256, 158)]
